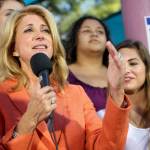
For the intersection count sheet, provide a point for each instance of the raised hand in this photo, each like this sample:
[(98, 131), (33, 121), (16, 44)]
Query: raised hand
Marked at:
[(115, 74)]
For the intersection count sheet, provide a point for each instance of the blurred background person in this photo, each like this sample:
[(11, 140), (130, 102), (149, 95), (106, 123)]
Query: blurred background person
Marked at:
[(87, 58), (137, 88), (7, 7)]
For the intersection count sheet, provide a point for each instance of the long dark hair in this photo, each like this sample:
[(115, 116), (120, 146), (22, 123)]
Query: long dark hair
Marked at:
[(71, 41), (145, 57)]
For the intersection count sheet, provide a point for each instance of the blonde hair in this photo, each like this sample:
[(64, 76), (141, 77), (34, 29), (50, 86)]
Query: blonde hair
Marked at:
[(10, 66)]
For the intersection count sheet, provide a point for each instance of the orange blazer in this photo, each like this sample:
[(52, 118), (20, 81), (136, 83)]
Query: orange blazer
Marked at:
[(77, 126)]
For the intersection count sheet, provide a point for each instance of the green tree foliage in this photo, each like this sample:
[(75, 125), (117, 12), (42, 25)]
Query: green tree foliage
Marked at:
[(66, 11)]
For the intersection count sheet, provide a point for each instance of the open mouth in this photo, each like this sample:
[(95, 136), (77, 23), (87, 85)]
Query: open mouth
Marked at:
[(40, 46)]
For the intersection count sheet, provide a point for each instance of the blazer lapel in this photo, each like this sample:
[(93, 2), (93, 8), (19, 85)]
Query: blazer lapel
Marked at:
[(20, 99), (59, 122), (43, 129)]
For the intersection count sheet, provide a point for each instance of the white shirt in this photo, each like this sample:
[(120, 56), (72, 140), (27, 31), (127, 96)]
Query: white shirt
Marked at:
[(137, 138)]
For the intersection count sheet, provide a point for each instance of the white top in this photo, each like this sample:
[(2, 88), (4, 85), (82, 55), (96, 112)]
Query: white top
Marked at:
[(137, 138)]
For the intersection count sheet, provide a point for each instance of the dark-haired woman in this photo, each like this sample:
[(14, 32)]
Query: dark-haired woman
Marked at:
[(87, 58)]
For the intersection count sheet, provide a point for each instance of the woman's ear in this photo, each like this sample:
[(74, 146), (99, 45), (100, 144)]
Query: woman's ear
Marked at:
[(15, 54)]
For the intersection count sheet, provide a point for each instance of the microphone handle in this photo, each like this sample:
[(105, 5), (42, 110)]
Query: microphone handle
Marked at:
[(44, 81), (50, 122), (44, 78)]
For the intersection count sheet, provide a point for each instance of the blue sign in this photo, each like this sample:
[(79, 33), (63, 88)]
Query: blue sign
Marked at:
[(148, 21), (116, 27)]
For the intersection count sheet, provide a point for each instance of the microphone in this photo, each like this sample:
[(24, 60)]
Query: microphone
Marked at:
[(41, 67)]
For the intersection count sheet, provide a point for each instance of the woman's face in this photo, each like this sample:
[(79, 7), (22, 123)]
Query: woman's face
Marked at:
[(32, 36), (91, 37), (7, 8), (135, 70)]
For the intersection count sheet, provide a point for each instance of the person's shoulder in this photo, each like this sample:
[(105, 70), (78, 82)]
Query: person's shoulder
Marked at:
[(75, 92), (73, 87), (7, 85), (5, 89)]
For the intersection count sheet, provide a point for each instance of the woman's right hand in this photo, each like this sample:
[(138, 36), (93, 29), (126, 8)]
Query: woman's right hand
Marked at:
[(115, 74), (42, 103)]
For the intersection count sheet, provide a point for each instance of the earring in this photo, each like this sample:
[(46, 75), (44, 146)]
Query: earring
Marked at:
[(15, 54)]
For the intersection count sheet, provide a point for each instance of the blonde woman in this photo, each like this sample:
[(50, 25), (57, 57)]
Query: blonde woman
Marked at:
[(25, 106)]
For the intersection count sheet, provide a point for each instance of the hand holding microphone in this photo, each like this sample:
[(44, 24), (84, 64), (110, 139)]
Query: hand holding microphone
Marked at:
[(42, 96), (42, 67)]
